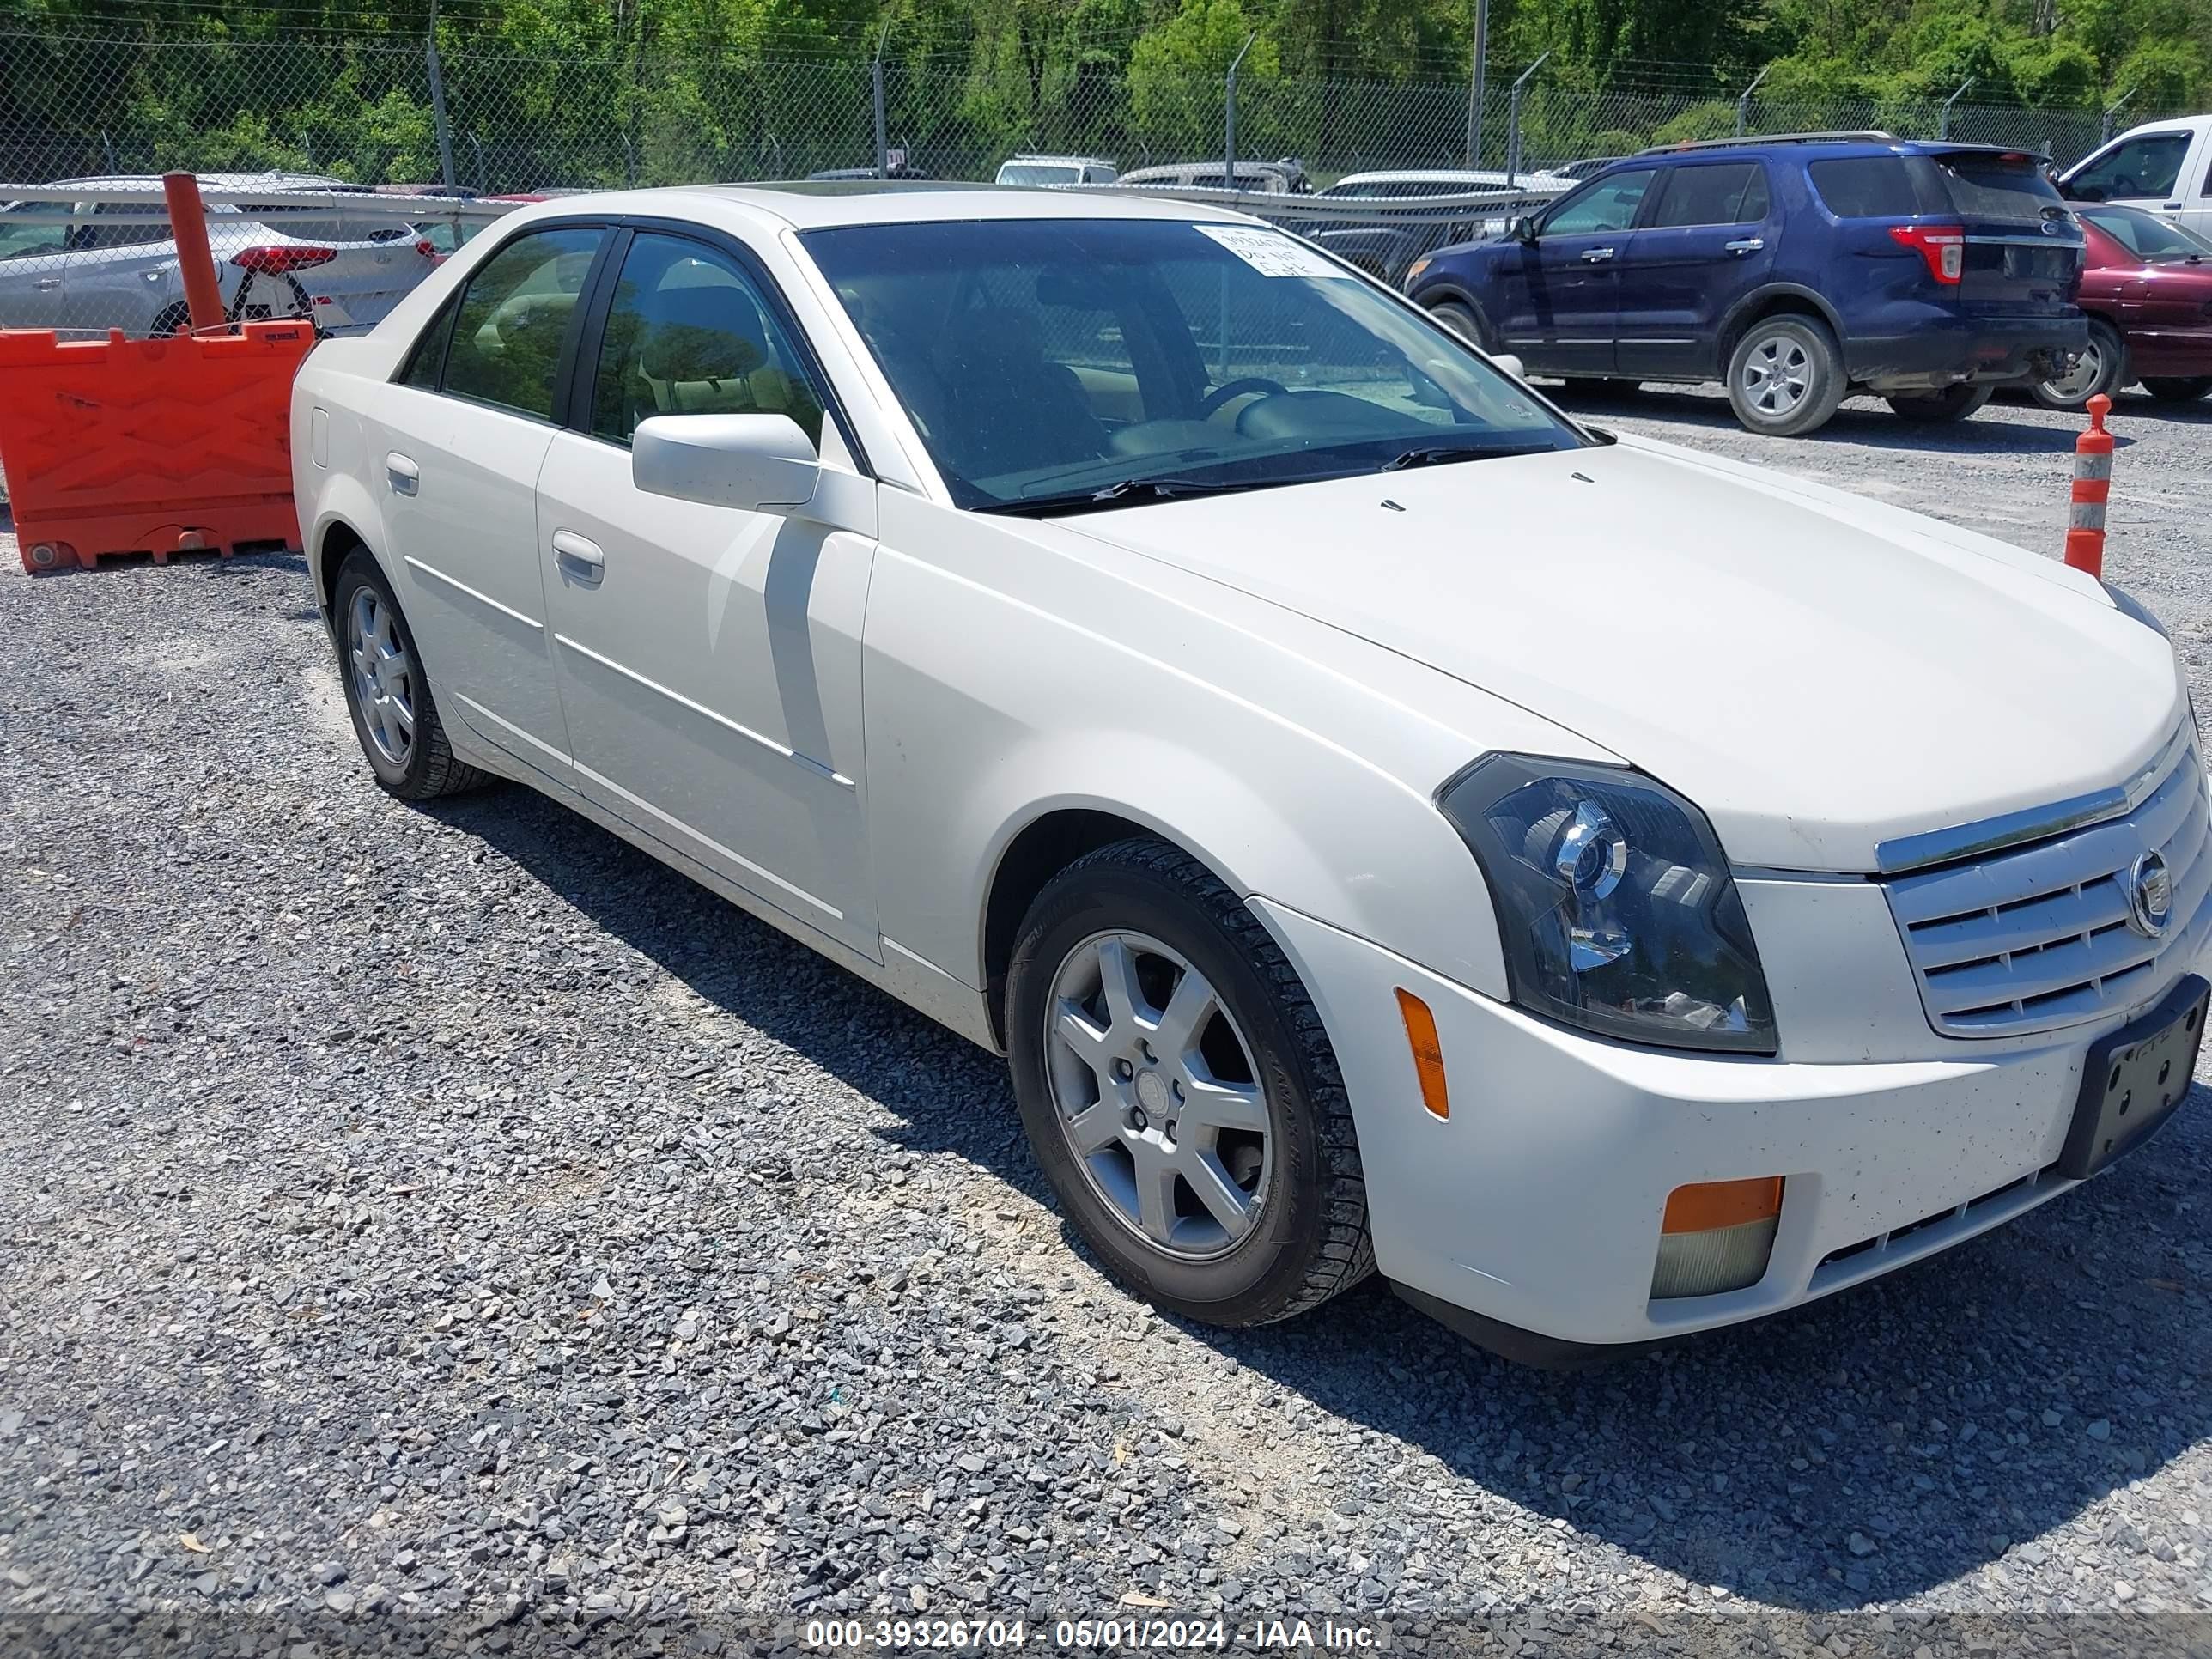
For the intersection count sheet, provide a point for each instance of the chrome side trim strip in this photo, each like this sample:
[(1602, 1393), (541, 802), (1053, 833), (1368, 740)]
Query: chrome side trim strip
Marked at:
[(723, 720), (738, 859), (514, 730), (2033, 823), (432, 571)]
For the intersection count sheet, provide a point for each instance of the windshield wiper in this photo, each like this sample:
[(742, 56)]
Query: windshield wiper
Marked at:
[(1125, 492), (1438, 454)]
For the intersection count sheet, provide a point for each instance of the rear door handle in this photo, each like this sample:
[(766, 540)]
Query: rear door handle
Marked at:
[(1597, 256), (402, 474), (1747, 245), (44, 283), (580, 550)]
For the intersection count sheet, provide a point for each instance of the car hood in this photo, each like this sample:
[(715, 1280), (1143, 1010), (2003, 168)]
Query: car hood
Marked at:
[(1820, 673)]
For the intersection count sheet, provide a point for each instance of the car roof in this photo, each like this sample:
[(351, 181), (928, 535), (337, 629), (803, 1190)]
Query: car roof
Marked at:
[(303, 181), (1060, 160), (814, 206), (1433, 175), (1827, 145)]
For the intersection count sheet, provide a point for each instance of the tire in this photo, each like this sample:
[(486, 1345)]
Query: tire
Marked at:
[(1775, 354), (2103, 368), (1464, 321), (1298, 1194), (367, 619), (2180, 391), (1952, 403)]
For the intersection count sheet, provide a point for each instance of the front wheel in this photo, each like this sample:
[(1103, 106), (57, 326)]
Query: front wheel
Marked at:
[(2102, 368), (2180, 391), (1952, 403), (1180, 1092), (1785, 376)]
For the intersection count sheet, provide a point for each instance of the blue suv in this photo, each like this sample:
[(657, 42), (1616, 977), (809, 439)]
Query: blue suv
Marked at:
[(1796, 269)]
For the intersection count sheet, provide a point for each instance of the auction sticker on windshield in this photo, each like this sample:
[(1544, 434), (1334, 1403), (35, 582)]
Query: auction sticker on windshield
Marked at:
[(1272, 253)]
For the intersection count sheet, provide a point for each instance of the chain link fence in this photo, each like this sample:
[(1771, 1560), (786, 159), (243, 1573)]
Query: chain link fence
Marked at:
[(388, 112)]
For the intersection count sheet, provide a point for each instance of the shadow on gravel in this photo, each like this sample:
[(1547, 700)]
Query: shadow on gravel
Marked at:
[(1997, 430), (1864, 1449)]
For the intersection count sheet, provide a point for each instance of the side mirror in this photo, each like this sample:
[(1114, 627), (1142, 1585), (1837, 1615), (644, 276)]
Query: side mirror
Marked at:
[(1520, 228), (1509, 363), (754, 463)]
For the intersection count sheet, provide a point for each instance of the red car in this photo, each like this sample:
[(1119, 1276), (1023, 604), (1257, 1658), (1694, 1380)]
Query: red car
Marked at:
[(2148, 293)]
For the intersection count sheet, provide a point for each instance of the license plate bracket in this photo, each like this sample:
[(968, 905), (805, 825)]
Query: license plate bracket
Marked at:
[(2135, 1079)]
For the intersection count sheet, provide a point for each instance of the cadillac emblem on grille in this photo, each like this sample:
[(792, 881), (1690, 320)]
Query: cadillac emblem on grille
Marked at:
[(2150, 895)]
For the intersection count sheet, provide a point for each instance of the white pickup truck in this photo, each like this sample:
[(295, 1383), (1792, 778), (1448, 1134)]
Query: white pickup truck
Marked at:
[(2164, 166)]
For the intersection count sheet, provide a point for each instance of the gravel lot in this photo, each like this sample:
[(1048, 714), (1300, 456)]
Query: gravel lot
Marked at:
[(452, 1228)]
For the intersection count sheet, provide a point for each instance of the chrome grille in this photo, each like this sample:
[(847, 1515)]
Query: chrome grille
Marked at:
[(2037, 936)]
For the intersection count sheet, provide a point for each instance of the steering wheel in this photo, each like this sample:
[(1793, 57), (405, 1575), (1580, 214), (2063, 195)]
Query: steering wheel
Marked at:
[(1237, 388)]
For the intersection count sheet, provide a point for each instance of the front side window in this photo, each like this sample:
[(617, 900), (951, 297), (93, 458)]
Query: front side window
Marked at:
[(514, 318), (2146, 165), (1045, 362), (28, 231), (1608, 205), (1719, 193), (688, 333)]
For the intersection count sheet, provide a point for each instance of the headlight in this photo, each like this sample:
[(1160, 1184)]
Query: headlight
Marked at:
[(1413, 272), (1615, 903)]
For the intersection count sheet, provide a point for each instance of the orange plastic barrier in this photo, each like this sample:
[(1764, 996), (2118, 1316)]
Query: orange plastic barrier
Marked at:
[(156, 447)]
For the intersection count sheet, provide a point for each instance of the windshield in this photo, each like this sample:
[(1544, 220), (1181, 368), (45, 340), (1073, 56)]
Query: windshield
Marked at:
[(2145, 234), (1043, 359), (1038, 173)]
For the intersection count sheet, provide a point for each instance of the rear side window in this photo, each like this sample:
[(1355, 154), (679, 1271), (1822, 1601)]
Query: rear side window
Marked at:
[(1727, 193), (428, 359), (514, 320), (2149, 165), (1867, 187), (1999, 187)]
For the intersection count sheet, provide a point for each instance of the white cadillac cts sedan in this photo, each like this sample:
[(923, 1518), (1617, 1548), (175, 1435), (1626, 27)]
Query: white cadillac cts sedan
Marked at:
[(1387, 825)]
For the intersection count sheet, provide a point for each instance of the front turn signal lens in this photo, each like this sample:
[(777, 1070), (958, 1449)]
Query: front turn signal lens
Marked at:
[(1428, 1053), (1717, 1236)]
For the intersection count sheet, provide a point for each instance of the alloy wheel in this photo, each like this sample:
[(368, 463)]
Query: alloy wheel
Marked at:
[(383, 676), (1776, 375), (1155, 1091)]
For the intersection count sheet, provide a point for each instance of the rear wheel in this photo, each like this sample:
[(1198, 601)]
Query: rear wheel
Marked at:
[(386, 692), (2102, 368), (1952, 403), (2180, 391), (1180, 1092), (1785, 376)]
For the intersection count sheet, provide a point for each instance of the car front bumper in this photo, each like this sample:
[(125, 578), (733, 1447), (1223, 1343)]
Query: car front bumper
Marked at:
[(1536, 1205), (1943, 349)]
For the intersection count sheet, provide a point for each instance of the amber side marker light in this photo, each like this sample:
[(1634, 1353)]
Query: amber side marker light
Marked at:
[(1717, 1236), (1428, 1053)]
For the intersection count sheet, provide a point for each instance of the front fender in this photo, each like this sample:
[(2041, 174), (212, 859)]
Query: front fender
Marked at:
[(1011, 671)]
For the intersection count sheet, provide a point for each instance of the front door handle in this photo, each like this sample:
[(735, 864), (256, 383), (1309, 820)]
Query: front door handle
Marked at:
[(1744, 244), (402, 474), (581, 551), (1597, 256)]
